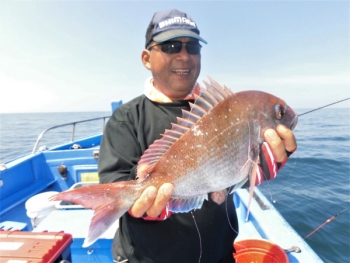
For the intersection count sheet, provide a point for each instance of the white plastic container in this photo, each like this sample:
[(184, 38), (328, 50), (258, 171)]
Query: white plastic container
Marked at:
[(39, 206)]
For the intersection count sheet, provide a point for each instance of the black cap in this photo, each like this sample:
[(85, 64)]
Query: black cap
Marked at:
[(169, 24)]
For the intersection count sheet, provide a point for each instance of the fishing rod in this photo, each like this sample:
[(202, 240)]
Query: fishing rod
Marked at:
[(326, 222), (333, 217), (297, 249), (323, 106)]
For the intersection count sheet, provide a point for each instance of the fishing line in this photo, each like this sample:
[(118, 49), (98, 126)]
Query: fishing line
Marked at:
[(323, 106), (270, 193), (268, 186), (333, 217), (228, 218), (307, 112), (326, 222), (200, 238)]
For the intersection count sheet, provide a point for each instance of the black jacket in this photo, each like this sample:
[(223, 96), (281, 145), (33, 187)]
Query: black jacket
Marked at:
[(129, 132)]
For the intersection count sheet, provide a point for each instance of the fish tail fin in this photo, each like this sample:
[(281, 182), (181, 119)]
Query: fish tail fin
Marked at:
[(109, 201)]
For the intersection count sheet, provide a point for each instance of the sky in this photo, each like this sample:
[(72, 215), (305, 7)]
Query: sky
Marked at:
[(71, 56)]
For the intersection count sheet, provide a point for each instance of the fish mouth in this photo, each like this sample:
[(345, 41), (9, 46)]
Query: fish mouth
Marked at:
[(294, 123), (181, 71), (293, 118)]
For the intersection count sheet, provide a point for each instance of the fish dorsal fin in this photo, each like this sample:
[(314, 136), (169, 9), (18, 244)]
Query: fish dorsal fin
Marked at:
[(207, 99)]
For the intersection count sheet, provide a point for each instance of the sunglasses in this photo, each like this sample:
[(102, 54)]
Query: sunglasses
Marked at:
[(175, 46)]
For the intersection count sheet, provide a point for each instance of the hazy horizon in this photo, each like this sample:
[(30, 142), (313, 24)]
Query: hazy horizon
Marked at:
[(78, 56)]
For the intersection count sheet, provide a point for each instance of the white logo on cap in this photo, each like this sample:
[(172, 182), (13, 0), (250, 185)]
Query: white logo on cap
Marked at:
[(178, 20)]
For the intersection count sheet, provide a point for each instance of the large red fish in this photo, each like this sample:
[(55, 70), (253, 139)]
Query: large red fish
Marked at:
[(212, 147)]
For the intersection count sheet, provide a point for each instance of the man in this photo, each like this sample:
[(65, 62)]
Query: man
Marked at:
[(149, 232)]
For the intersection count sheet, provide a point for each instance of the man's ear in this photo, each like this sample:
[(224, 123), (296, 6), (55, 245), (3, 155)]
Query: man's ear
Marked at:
[(146, 58)]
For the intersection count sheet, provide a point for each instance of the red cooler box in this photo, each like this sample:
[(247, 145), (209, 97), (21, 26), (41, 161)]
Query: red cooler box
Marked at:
[(33, 247)]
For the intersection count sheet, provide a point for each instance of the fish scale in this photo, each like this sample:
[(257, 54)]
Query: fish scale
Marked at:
[(212, 144), (212, 147)]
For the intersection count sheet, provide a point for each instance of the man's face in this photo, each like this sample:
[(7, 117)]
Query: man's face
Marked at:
[(174, 74)]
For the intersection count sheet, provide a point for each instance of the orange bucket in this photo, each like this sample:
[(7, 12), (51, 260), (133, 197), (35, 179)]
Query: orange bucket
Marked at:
[(259, 251)]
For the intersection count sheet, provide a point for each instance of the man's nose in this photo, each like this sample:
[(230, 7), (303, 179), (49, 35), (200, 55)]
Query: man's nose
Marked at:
[(183, 54)]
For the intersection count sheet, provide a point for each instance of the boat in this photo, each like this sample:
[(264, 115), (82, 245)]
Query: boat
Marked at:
[(32, 177)]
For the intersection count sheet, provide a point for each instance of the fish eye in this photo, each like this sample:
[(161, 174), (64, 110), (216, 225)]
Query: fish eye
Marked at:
[(279, 110)]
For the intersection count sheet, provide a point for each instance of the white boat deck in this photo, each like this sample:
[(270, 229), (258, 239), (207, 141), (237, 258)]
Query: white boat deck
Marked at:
[(262, 224), (269, 224)]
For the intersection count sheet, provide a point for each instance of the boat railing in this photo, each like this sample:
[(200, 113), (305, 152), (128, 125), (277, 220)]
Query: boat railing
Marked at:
[(73, 124)]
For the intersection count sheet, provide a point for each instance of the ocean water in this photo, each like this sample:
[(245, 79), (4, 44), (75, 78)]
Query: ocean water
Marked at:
[(313, 186), (19, 131)]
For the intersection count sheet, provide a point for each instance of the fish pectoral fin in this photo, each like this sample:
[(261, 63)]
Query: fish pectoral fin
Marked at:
[(252, 177), (239, 185), (178, 205)]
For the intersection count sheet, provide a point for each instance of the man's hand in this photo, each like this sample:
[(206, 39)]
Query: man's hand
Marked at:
[(152, 202), (280, 142), (219, 197)]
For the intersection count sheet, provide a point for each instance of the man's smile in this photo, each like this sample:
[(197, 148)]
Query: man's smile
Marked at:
[(181, 71)]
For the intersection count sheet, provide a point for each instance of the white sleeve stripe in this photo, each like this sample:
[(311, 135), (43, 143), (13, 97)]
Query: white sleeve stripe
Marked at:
[(272, 160)]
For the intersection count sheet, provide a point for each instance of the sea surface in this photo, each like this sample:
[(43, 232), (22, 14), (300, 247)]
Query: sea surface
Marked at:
[(314, 185)]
